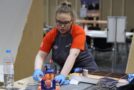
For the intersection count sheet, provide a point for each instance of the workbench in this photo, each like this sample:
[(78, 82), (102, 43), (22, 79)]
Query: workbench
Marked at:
[(87, 82), (30, 84)]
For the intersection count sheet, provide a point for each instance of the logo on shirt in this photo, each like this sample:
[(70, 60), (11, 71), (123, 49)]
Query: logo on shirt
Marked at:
[(55, 47)]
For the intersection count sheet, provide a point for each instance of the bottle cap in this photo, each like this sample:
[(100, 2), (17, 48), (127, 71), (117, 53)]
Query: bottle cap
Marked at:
[(8, 51)]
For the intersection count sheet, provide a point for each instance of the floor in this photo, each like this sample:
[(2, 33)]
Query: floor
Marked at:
[(112, 61)]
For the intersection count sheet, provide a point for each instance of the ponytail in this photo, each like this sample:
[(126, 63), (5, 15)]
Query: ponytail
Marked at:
[(65, 7)]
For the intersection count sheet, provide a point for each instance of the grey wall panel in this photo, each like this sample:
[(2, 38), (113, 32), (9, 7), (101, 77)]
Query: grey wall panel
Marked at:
[(105, 9), (52, 9), (129, 12), (46, 10), (117, 7)]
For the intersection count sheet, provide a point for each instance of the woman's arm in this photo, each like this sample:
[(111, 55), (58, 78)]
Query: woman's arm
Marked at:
[(40, 57), (70, 61)]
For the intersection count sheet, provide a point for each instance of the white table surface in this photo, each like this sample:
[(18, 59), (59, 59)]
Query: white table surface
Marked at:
[(102, 34)]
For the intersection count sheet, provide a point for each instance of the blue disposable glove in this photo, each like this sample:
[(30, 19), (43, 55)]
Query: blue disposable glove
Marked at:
[(78, 70), (130, 77), (60, 79), (37, 75)]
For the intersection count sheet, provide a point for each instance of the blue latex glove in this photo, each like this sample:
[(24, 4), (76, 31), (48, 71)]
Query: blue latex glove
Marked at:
[(38, 74), (77, 70), (60, 79), (130, 77)]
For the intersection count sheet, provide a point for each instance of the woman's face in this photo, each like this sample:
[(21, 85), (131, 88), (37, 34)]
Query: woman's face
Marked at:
[(63, 22)]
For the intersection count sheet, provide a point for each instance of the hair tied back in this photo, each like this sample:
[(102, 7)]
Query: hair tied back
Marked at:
[(66, 4)]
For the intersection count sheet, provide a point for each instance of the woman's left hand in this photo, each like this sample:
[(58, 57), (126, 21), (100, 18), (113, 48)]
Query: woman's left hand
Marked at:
[(60, 79)]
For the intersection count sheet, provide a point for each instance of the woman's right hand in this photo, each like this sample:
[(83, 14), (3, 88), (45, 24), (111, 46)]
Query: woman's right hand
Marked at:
[(37, 75)]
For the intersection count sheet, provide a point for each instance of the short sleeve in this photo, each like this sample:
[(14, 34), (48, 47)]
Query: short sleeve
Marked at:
[(79, 38), (48, 40)]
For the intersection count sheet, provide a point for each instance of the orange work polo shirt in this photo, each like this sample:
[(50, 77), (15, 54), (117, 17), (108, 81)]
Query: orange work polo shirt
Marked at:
[(78, 38)]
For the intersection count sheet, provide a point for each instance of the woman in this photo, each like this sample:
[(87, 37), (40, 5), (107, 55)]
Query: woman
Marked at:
[(68, 43)]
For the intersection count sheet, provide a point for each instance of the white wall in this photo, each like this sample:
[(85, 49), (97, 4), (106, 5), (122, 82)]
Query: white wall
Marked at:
[(13, 15)]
